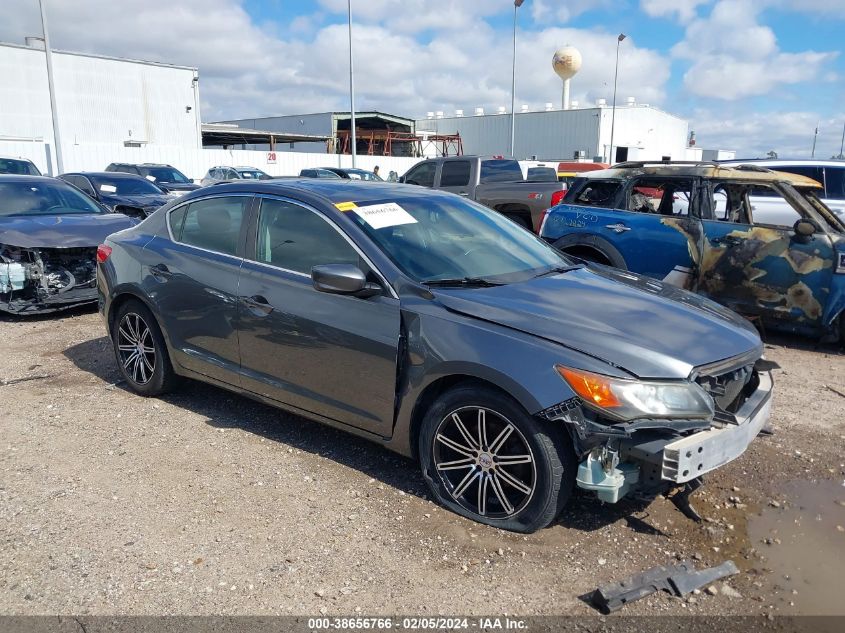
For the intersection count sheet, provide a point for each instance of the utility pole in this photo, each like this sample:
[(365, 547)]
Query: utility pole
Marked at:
[(842, 144), (613, 114), (815, 136), (516, 5), (56, 140), (351, 84)]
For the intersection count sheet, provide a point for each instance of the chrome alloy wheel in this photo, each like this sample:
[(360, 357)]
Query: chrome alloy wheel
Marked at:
[(484, 462), (136, 349)]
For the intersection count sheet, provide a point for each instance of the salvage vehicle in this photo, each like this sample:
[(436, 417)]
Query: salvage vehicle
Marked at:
[(225, 174), (436, 327), (495, 182), (18, 166), (165, 176), (49, 232), (121, 193), (696, 225)]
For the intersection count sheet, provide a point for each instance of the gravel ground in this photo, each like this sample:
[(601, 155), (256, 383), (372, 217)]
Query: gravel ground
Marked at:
[(208, 503)]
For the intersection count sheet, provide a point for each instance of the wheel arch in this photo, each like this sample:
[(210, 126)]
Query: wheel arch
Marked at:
[(441, 385), (593, 243)]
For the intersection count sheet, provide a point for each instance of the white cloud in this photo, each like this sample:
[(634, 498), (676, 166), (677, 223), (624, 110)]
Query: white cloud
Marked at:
[(753, 134), (734, 57), (247, 71), (550, 11), (683, 10)]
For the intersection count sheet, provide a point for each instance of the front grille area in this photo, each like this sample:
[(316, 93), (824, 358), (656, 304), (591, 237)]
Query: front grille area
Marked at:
[(726, 388)]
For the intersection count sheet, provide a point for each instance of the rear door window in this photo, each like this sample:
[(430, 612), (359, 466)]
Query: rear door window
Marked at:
[(500, 171), (213, 224), (663, 196), (834, 181), (454, 173)]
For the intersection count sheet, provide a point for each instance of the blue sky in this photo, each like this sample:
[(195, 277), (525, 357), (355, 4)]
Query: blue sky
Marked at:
[(750, 75)]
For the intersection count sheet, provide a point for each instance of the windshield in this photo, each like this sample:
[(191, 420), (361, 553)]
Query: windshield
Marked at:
[(43, 198), (437, 238), (164, 174), (18, 167), (253, 174), (125, 186), (361, 174)]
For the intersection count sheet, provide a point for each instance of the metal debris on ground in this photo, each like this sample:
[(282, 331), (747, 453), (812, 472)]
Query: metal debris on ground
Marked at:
[(14, 381), (677, 579)]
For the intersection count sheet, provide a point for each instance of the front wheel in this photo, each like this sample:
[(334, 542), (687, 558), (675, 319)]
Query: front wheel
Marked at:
[(485, 458)]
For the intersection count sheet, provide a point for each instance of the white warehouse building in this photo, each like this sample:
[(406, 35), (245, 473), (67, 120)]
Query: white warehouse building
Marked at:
[(640, 132), (100, 101)]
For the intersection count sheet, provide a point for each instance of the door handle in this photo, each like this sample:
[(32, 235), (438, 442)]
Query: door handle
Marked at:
[(258, 305), (618, 227), (161, 272)]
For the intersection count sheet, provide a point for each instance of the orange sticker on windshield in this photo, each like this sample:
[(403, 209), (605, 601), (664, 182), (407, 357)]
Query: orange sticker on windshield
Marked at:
[(346, 206)]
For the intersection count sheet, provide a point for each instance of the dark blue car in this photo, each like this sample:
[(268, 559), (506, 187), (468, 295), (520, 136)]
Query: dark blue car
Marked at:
[(122, 193)]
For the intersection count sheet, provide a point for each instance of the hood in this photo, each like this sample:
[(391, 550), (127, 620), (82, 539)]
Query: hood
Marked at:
[(61, 231), (142, 200), (646, 327)]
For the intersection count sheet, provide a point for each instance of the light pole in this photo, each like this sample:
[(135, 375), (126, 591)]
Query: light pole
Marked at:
[(56, 140), (815, 137), (351, 84), (613, 113), (516, 5)]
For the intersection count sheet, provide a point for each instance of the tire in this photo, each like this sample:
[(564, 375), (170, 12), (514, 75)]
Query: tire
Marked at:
[(149, 373), (519, 219), (461, 477)]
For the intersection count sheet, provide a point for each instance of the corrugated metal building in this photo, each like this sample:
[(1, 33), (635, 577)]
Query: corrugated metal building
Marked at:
[(641, 133), (334, 125), (100, 100)]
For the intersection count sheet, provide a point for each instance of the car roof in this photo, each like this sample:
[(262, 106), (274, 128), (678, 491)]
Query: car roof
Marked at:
[(784, 162), (327, 190), (22, 178), (145, 164), (20, 158), (751, 173), (104, 174)]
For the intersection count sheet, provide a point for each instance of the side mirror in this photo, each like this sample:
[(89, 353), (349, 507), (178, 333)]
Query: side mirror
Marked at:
[(343, 279), (401, 179), (805, 228)]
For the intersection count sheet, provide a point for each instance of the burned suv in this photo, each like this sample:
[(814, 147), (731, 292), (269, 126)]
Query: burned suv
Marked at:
[(706, 228)]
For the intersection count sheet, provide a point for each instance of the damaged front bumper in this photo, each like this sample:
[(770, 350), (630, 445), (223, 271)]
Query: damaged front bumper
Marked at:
[(652, 456), (44, 280)]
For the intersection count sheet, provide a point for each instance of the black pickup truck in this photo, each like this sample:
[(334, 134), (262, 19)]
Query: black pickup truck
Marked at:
[(497, 183)]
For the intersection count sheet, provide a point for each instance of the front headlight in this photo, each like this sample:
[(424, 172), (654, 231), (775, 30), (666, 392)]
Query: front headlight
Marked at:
[(631, 399)]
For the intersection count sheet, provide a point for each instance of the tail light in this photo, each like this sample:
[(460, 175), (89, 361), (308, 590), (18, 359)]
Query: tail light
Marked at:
[(557, 198), (103, 253)]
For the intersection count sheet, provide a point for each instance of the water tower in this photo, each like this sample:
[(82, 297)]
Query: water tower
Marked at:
[(566, 63)]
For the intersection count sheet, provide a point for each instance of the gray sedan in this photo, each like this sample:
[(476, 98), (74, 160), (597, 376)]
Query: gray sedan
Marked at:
[(438, 328)]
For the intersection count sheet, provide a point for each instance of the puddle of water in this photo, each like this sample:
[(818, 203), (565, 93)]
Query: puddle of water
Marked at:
[(807, 548)]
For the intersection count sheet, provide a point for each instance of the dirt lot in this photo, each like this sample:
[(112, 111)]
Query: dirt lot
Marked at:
[(208, 503)]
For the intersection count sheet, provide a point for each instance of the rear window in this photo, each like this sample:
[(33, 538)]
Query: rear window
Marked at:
[(588, 192), (18, 167), (500, 171)]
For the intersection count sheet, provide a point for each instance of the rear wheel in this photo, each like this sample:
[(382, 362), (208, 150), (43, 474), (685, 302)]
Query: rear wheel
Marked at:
[(485, 458), (588, 254), (140, 350)]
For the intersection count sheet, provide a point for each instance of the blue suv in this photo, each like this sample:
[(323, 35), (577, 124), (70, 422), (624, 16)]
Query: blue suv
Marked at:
[(700, 226)]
